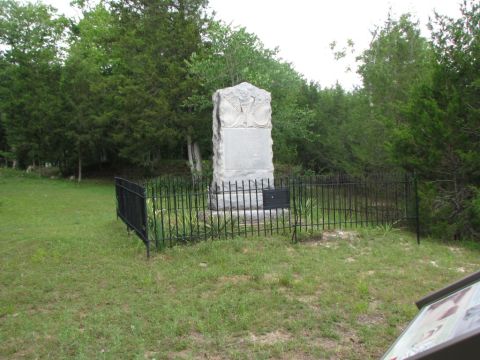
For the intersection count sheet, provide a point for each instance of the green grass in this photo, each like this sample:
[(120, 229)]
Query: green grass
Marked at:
[(73, 284)]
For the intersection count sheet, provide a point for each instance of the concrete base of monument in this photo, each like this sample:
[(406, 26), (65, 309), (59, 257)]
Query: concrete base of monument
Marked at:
[(249, 215), (236, 201)]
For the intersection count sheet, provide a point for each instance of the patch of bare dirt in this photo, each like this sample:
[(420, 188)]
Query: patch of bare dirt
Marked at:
[(233, 279), (348, 335), (327, 343), (183, 354), (150, 354), (343, 346), (206, 356), (270, 338), (270, 277), (455, 249), (163, 257), (37, 310), (336, 348), (374, 305), (307, 299), (23, 353), (197, 337), (329, 238), (159, 278), (319, 242), (332, 235), (371, 319), (297, 356), (407, 248)]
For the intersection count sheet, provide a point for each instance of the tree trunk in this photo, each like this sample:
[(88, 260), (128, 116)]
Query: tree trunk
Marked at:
[(79, 167), (197, 158), (189, 151), (194, 156)]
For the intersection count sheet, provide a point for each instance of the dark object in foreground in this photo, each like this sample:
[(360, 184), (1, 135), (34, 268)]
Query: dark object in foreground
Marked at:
[(447, 326)]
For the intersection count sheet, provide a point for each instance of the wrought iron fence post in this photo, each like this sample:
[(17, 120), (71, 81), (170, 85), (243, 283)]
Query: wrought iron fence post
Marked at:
[(405, 194), (153, 192), (146, 221), (117, 196), (294, 235), (417, 210)]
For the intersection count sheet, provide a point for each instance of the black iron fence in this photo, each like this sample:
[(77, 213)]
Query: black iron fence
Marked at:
[(167, 211), (132, 208)]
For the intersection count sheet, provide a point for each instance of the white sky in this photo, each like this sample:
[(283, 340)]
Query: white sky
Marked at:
[(303, 29)]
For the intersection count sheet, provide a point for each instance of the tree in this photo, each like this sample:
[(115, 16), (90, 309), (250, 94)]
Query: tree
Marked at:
[(230, 56), (398, 60), (441, 138), (30, 38), (84, 85), (153, 40)]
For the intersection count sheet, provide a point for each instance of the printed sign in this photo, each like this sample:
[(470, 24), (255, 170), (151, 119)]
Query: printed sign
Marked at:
[(444, 320)]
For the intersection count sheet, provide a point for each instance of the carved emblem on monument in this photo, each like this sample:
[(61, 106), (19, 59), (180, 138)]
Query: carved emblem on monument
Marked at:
[(243, 106)]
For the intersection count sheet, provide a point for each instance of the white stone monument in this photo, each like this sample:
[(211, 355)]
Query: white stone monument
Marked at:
[(242, 147)]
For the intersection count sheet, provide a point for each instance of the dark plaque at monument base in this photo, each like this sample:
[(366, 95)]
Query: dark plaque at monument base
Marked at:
[(276, 199), (447, 326)]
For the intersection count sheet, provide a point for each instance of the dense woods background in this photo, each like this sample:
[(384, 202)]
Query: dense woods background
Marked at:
[(129, 85)]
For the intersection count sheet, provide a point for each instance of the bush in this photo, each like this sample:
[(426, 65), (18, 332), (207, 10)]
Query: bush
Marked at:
[(446, 216)]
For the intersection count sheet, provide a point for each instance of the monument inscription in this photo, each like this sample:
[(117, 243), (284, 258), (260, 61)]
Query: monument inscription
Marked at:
[(252, 142)]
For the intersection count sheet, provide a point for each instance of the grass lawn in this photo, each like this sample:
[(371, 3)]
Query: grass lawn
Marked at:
[(74, 284)]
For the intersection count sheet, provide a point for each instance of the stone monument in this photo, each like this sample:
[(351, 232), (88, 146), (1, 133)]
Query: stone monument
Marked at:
[(242, 147)]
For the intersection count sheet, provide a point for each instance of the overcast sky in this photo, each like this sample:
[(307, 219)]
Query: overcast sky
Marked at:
[(303, 29)]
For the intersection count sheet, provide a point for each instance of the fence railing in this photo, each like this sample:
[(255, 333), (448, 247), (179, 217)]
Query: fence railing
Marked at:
[(185, 210), (132, 208)]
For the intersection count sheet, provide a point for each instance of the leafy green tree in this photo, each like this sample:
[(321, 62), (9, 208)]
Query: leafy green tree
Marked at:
[(441, 138), (5, 154), (230, 56), (30, 37), (333, 130), (85, 83), (398, 60), (153, 41)]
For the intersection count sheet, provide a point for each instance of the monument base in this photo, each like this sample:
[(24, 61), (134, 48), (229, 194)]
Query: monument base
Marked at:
[(247, 216), (238, 200)]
